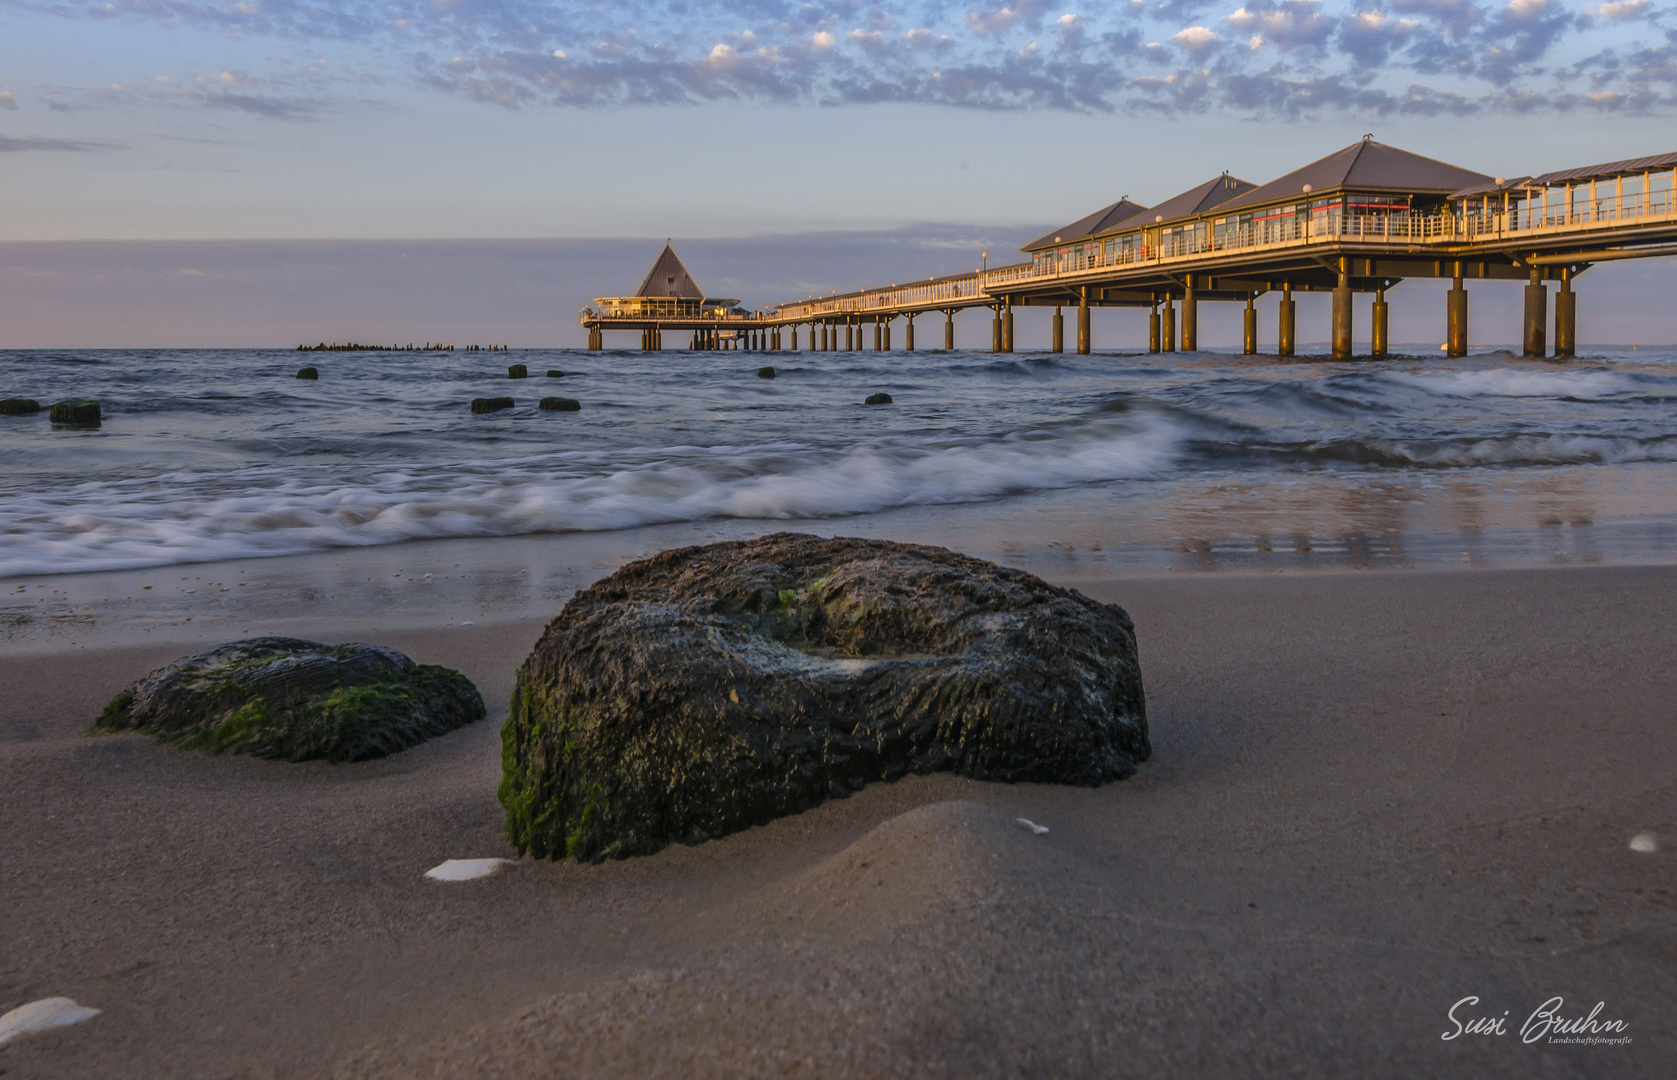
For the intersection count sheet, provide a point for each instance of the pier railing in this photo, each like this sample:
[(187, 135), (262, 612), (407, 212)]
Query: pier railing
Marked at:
[(1535, 213)]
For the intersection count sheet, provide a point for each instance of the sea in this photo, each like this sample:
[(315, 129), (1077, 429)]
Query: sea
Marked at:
[(1117, 462)]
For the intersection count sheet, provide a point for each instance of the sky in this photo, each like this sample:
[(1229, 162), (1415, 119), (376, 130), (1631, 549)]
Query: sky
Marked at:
[(163, 121)]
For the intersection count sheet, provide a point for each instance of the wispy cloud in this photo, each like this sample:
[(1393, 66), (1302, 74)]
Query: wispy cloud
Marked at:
[(1265, 57), (26, 143)]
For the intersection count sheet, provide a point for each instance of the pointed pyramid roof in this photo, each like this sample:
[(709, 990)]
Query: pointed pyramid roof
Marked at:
[(669, 277), (1197, 200), (1107, 217), (1366, 166)]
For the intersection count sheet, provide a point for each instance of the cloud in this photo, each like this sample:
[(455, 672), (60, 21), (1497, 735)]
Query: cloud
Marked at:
[(25, 143), (1268, 57)]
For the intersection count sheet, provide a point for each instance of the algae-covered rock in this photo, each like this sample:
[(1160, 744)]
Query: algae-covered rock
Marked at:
[(765, 373), (878, 399), (492, 404), (19, 406), (559, 404), (709, 689), (517, 371), (77, 412), (308, 373), (555, 373), (296, 700)]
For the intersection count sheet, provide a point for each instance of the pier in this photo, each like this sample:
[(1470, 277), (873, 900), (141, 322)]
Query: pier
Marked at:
[(1358, 222)]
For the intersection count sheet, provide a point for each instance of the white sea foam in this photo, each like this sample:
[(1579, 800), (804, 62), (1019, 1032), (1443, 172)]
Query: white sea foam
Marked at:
[(275, 510), (1520, 383)]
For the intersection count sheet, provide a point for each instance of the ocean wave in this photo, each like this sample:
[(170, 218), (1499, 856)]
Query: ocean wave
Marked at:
[(1523, 383), (1506, 450), (275, 511)]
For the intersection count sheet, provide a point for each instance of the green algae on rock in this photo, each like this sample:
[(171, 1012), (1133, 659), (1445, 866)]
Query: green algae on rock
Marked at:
[(555, 373), (76, 412), (19, 406), (878, 399), (517, 371), (308, 373), (709, 689), (295, 700), (491, 404), (559, 404), (765, 373)]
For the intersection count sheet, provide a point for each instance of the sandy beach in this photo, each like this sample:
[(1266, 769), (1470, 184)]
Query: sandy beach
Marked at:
[(1372, 795)]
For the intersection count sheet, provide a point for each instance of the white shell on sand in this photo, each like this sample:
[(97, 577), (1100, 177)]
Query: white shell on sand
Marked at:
[(1033, 826), (1645, 842), (40, 1016), (466, 869)]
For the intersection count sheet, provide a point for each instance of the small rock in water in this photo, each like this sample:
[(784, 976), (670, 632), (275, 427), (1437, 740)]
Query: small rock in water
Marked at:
[(555, 373), (765, 373), (560, 404), (296, 700), (19, 406), (492, 404), (76, 412), (308, 373), (1033, 826), (466, 869), (42, 1015), (878, 399), (1645, 842), (517, 371)]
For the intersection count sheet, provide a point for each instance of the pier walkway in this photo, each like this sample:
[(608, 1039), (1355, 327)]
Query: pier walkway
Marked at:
[(1359, 221)]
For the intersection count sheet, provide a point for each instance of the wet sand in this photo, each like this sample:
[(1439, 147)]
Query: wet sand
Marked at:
[(1372, 795)]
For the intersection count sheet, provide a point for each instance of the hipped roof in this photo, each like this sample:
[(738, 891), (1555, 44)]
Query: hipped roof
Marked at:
[(1102, 220), (669, 277), (1197, 200), (1367, 166)]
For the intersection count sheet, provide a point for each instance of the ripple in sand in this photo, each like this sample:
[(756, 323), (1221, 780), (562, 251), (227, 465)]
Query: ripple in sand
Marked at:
[(42, 1015), (466, 869)]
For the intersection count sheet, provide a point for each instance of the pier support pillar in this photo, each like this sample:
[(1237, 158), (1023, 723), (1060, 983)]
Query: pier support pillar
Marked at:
[(1007, 324), (908, 334), (1167, 326), (1537, 316), (996, 329), (1342, 326), (887, 335), (1566, 316), (1190, 316), (1249, 334), (1455, 329), (878, 335), (1153, 326), (949, 330), (849, 341), (1380, 342), (1059, 344), (1083, 321), (1286, 338), (792, 338)]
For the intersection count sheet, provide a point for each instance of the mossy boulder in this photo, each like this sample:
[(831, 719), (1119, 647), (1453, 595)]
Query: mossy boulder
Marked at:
[(555, 373), (308, 373), (76, 412), (709, 689), (765, 373), (517, 371), (492, 404), (878, 399), (295, 700), (19, 406), (560, 404)]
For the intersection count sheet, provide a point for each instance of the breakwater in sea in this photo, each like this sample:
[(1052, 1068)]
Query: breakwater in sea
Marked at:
[(206, 455)]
